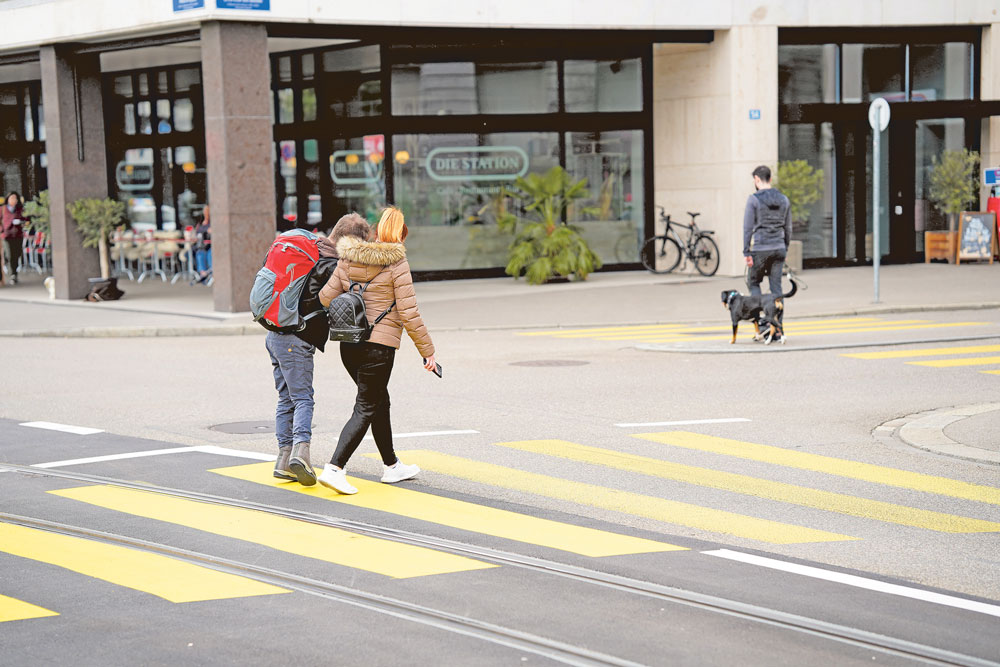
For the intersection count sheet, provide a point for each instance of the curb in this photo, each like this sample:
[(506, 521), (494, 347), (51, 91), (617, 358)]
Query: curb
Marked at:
[(925, 430)]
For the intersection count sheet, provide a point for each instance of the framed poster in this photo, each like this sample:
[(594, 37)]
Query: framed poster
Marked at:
[(975, 235)]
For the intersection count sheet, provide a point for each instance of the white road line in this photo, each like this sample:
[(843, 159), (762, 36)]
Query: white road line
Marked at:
[(426, 434), (684, 422), (859, 582), (65, 428), (204, 449)]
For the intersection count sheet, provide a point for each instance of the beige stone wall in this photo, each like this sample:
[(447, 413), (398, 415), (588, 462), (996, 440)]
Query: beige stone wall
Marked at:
[(705, 144), (990, 83)]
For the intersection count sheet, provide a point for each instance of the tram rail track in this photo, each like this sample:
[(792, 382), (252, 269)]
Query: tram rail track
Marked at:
[(553, 649)]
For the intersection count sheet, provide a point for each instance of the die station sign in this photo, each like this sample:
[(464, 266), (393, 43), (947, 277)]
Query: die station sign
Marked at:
[(477, 163)]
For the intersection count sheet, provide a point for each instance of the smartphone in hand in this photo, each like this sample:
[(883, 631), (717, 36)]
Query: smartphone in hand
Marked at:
[(437, 367)]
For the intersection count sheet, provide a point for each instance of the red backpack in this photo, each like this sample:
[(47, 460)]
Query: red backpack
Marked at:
[(278, 286)]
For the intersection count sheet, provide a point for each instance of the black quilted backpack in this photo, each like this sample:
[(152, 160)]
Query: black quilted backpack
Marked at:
[(348, 321)]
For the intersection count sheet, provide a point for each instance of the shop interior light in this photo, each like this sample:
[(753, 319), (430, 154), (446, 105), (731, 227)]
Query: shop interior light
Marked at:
[(402, 157), (351, 158), (374, 158), (188, 167)]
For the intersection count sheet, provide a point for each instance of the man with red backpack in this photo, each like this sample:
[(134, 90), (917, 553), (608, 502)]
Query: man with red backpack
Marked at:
[(293, 337)]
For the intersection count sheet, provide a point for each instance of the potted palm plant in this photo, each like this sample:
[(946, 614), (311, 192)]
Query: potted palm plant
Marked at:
[(96, 218), (953, 186), (544, 246)]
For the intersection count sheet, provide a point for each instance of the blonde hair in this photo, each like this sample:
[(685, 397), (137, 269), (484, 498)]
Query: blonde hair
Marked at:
[(391, 227)]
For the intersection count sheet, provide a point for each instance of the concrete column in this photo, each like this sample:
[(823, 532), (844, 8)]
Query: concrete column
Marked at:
[(990, 89), (77, 164), (236, 75), (705, 143)]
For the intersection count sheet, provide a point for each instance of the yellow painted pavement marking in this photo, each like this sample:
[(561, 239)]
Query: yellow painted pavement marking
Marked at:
[(464, 515), (658, 509), (12, 609), (638, 327), (925, 352), (991, 372), (331, 545), (867, 472), (951, 363), (762, 488), (790, 326), (168, 578), (799, 334)]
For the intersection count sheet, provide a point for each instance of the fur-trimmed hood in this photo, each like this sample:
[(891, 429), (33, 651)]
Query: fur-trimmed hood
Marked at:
[(372, 253)]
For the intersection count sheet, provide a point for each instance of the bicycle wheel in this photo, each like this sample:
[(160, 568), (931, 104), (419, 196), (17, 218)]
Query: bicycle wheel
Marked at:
[(660, 254), (706, 256)]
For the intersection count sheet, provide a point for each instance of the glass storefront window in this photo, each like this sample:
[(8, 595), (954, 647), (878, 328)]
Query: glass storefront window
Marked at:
[(287, 184), (29, 123), (123, 85), (134, 180), (815, 145), (186, 79), (286, 106), (807, 73), (603, 85), (474, 88), (352, 83), (933, 137), (450, 186), (309, 104), (357, 177), (611, 218), (9, 114), (10, 171), (285, 69), (163, 117), (143, 85), (129, 118), (308, 66), (873, 70), (145, 110), (941, 72), (183, 115), (189, 175)]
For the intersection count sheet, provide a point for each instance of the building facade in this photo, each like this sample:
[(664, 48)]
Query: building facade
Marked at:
[(289, 113)]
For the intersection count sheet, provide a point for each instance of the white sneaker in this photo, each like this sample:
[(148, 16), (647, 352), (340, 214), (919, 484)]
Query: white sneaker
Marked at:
[(335, 478), (398, 471)]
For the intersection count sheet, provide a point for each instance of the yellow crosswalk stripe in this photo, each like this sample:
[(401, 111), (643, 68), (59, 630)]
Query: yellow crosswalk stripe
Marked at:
[(951, 363), (761, 488), (464, 515), (790, 327), (331, 545), (168, 578), (867, 472), (658, 509), (924, 352), (800, 334), (640, 327), (12, 609), (991, 372)]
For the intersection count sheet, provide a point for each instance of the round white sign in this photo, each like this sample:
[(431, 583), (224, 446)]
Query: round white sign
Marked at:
[(878, 114)]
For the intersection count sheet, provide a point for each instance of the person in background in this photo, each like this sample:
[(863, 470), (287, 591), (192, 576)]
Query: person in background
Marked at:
[(203, 247), (292, 361), (382, 264), (12, 219)]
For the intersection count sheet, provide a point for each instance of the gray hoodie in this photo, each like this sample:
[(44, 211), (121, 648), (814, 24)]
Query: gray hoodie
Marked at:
[(767, 221)]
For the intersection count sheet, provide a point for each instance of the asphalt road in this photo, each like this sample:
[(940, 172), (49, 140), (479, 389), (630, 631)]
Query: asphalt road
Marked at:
[(567, 426)]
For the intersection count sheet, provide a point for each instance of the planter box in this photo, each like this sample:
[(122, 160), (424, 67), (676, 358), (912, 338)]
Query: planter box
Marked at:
[(940, 245)]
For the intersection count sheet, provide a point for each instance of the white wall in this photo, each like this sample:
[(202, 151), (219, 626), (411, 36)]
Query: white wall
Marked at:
[(42, 21)]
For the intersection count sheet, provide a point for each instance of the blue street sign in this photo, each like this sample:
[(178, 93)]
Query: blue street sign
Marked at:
[(754, 114), (258, 5), (991, 176), (181, 5)]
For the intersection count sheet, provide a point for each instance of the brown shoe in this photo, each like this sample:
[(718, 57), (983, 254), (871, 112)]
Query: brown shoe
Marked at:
[(281, 470), (300, 466)]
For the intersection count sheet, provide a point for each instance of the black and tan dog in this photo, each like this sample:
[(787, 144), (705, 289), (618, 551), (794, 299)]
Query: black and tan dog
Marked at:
[(766, 309)]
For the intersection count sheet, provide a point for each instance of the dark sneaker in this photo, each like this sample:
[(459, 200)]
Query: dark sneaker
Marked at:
[(281, 470), (300, 466)]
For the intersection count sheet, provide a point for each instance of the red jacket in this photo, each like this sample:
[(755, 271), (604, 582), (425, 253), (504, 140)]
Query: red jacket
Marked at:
[(7, 218)]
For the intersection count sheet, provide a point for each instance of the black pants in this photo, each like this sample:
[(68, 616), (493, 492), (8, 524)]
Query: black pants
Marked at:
[(369, 365), (766, 263)]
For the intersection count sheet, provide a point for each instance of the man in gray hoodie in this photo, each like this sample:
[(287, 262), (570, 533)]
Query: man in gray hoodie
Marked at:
[(767, 230)]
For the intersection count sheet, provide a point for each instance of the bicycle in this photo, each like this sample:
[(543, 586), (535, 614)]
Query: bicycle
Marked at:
[(663, 252)]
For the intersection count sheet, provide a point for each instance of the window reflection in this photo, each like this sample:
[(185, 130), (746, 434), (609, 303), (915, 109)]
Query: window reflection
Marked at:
[(873, 70), (603, 85), (941, 71), (474, 88), (807, 73), (813, 143), (352, 81)]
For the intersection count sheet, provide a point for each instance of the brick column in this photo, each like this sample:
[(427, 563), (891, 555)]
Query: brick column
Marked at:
[(236, 73), (77, 164)]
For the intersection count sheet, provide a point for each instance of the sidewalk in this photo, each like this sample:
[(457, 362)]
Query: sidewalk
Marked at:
[(161, 309)]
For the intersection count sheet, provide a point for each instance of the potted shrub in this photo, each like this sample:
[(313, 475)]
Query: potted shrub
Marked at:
[(37, 213), (544, 246), (953, 185), (96, 218), (802, 184)]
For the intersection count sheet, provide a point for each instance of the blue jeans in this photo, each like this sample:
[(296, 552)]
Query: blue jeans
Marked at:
[(292, 361), (766, 263), (203, 260)]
